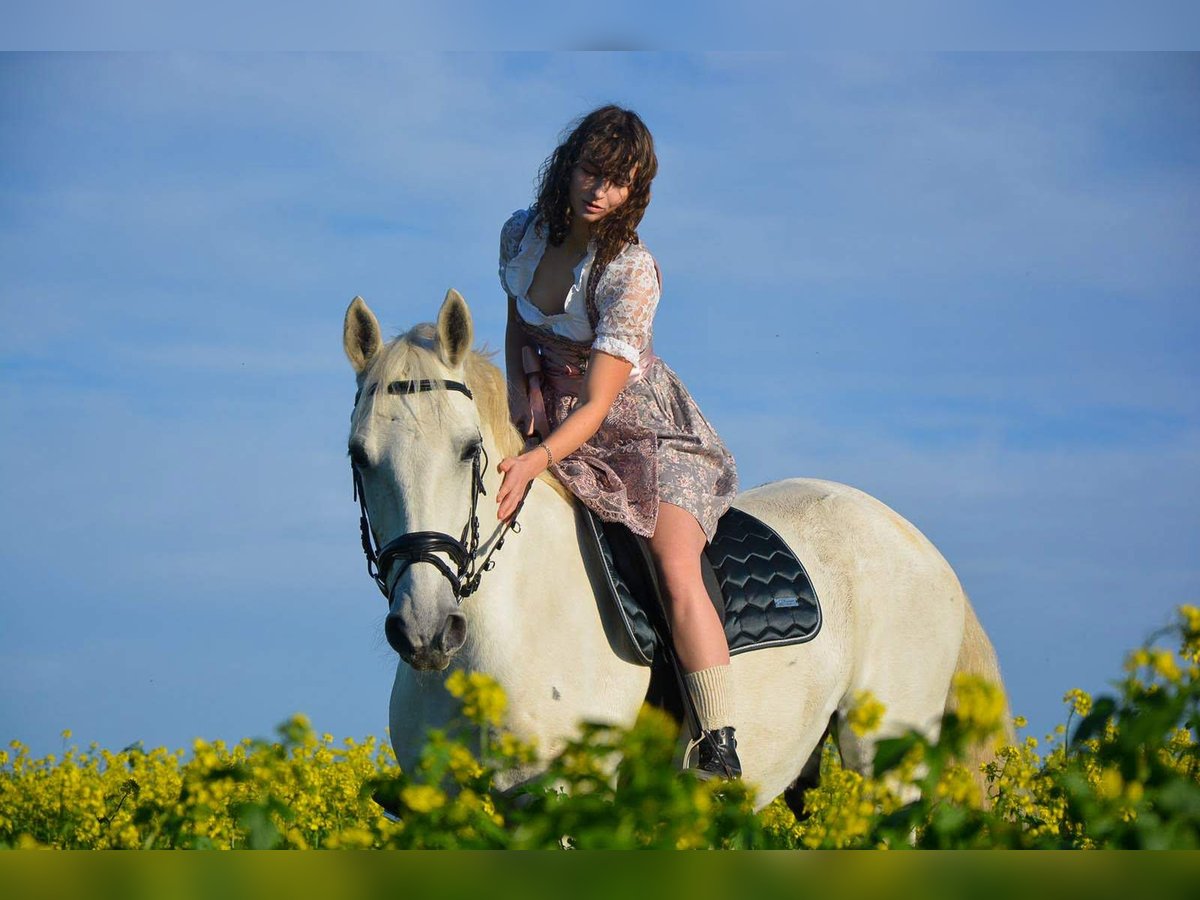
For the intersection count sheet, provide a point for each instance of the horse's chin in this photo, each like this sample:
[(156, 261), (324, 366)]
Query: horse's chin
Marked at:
[(425, 660)]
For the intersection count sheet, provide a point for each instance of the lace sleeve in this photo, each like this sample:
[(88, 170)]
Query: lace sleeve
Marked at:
[(510, 241), (627, 297)]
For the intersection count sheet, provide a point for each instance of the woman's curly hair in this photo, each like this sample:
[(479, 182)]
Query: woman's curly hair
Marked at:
[(613, 140)]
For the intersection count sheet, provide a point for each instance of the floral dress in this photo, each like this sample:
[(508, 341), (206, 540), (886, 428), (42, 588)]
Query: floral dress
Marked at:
[(655, 444)]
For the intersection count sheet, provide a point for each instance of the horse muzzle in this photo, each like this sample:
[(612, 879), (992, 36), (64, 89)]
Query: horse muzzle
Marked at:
[(425, 653)]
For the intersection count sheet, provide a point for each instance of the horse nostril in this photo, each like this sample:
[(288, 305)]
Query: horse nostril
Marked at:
[(454, 632), (399, 641)]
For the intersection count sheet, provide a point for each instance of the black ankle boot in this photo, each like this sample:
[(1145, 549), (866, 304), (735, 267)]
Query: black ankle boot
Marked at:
[(720, 761)]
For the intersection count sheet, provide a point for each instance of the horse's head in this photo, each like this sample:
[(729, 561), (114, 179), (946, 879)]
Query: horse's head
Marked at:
[(416, 442)]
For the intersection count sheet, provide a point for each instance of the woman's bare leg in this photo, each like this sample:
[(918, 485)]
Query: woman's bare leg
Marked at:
[(677, 544), (699, 639)]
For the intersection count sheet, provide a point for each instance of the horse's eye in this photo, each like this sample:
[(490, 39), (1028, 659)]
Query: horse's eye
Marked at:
[(471, 451), (370, 392), (358, 455)]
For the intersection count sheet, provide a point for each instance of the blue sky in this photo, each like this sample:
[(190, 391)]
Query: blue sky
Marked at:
[(966, 284), (621, 25)]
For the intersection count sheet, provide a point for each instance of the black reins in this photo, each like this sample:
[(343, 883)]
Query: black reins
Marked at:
[(423, 546)]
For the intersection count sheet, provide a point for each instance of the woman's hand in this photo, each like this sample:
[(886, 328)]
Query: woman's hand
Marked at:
[(518, 472)]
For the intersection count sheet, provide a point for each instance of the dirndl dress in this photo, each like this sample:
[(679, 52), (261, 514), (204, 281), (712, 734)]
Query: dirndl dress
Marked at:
[(655, 444)]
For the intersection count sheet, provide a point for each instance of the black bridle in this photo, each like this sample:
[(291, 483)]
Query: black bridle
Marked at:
[(422, 546)]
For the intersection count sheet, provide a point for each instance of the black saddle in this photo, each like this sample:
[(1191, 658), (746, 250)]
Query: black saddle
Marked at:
[(761, 591)]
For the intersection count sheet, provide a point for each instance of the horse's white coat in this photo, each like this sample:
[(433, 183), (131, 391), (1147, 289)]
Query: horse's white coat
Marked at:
[(894, 613)]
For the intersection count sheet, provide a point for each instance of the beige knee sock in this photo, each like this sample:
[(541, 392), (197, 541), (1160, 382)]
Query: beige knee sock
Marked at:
[(711, 690)]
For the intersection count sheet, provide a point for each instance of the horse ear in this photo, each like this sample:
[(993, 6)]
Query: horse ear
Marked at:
[(455, 331), (360, 335)]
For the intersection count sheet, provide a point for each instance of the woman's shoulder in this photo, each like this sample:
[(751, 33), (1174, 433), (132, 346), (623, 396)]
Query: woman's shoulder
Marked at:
[(634, 256), (634, 264), (641, 253), (515, 223), (512, 233)]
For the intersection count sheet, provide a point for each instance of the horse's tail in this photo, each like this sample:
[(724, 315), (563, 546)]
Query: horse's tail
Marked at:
[(977, 656)]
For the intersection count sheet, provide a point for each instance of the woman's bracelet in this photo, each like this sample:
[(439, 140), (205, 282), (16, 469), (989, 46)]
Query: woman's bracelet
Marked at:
[(549, 455)]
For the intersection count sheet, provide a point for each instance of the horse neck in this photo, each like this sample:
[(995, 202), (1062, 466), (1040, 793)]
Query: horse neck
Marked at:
[(533, 588), (534, 622)]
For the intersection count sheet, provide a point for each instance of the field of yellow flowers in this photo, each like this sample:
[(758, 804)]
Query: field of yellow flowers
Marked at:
[(1122, 771)]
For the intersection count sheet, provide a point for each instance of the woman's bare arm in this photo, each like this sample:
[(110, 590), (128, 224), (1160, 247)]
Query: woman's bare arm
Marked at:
[(514, 340), (606, 375)]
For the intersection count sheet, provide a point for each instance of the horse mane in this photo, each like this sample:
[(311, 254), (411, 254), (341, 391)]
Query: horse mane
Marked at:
[(413, 354)]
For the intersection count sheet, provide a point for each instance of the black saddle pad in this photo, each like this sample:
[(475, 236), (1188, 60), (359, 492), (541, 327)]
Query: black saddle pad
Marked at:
[(761, 591)]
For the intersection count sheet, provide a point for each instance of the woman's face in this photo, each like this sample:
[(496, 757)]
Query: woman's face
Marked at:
[(593, 196)]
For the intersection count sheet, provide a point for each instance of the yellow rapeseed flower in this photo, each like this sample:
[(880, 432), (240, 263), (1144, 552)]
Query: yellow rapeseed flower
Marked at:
[(353, 838), (489, 808), (979, 703), (1190, 616), (1111, 785), (958, 786), (1081, 701), (1136, 659), (1164, 664), (483, 700), (423, 798), (866, 714), (463, 765)]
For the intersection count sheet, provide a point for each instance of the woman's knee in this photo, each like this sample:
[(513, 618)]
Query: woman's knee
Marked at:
[(677, 568), (680, 577)]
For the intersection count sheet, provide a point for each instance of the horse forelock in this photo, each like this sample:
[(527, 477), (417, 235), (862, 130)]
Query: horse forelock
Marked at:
[(414, 355)]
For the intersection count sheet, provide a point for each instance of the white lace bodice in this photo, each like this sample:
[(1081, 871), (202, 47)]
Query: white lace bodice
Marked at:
[(626, 297)]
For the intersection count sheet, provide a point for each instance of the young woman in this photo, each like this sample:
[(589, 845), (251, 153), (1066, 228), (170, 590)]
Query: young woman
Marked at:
[(616, 425)]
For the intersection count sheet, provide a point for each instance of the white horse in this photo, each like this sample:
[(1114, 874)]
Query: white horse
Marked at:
[(895, 620)]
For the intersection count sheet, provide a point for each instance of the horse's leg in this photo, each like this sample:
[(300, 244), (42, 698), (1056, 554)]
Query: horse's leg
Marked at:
[(785, 698), (809, 777), (902, 713)]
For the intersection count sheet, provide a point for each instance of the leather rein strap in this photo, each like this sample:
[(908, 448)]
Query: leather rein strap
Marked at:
[(422, 546)]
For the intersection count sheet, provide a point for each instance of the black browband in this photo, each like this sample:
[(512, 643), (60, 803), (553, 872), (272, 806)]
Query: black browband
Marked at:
[(415, 387)]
